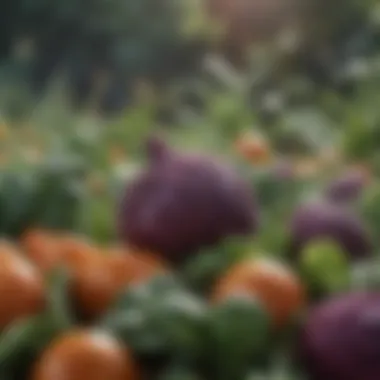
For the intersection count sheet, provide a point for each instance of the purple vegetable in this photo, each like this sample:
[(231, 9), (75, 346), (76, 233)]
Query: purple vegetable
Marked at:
[(348, 187), (324, 219), (341, 339), (183, 203)]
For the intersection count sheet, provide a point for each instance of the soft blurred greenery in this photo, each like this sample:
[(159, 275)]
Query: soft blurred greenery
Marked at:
[(317, 125), (315, 108)]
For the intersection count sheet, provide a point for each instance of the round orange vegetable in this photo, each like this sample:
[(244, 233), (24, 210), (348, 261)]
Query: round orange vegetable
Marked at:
[(278, 288), (130, 267), (21, 286), (97, 283), (48, 250), (93, 288), (42, 249), (76, 251), (81, 355)]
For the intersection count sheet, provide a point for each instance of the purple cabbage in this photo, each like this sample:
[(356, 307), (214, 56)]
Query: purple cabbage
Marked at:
[(341, 338), (323, 219), (183, 203), (347, 187)]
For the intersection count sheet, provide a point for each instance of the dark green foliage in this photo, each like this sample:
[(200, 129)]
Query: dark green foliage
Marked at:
[(179, 372), (46, 196), (202, 270), (159, 318), (124, 39), (233, 347)]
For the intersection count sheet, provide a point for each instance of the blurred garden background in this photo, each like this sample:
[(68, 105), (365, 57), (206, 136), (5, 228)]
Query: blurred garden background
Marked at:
[(287, 91), (82, 83)]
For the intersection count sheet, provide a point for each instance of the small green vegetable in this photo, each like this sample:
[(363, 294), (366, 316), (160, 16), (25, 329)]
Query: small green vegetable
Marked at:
[(325, 267)]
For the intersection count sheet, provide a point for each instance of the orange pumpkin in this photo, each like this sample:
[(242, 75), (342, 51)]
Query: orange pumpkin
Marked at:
[(131, 267), (77, 251), (81, 354), (278, 288), (48, 250), (21, 286), (42, 249), (97, 283)]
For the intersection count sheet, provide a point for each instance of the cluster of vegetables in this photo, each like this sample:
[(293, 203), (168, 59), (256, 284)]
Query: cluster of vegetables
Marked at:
[(195, 289)]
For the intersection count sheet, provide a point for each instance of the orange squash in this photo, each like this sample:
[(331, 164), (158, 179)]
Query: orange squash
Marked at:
[(278, 288), (97, 283), (21, 286), (42, 249), (81, 354)]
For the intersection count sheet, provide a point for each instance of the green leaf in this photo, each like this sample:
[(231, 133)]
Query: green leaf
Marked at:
[(238, 331), (159, 316), (16, 338), (17, 197), (205, 267), (58, 309)]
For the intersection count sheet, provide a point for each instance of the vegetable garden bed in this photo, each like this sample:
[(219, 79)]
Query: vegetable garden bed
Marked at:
[(264, 270)]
